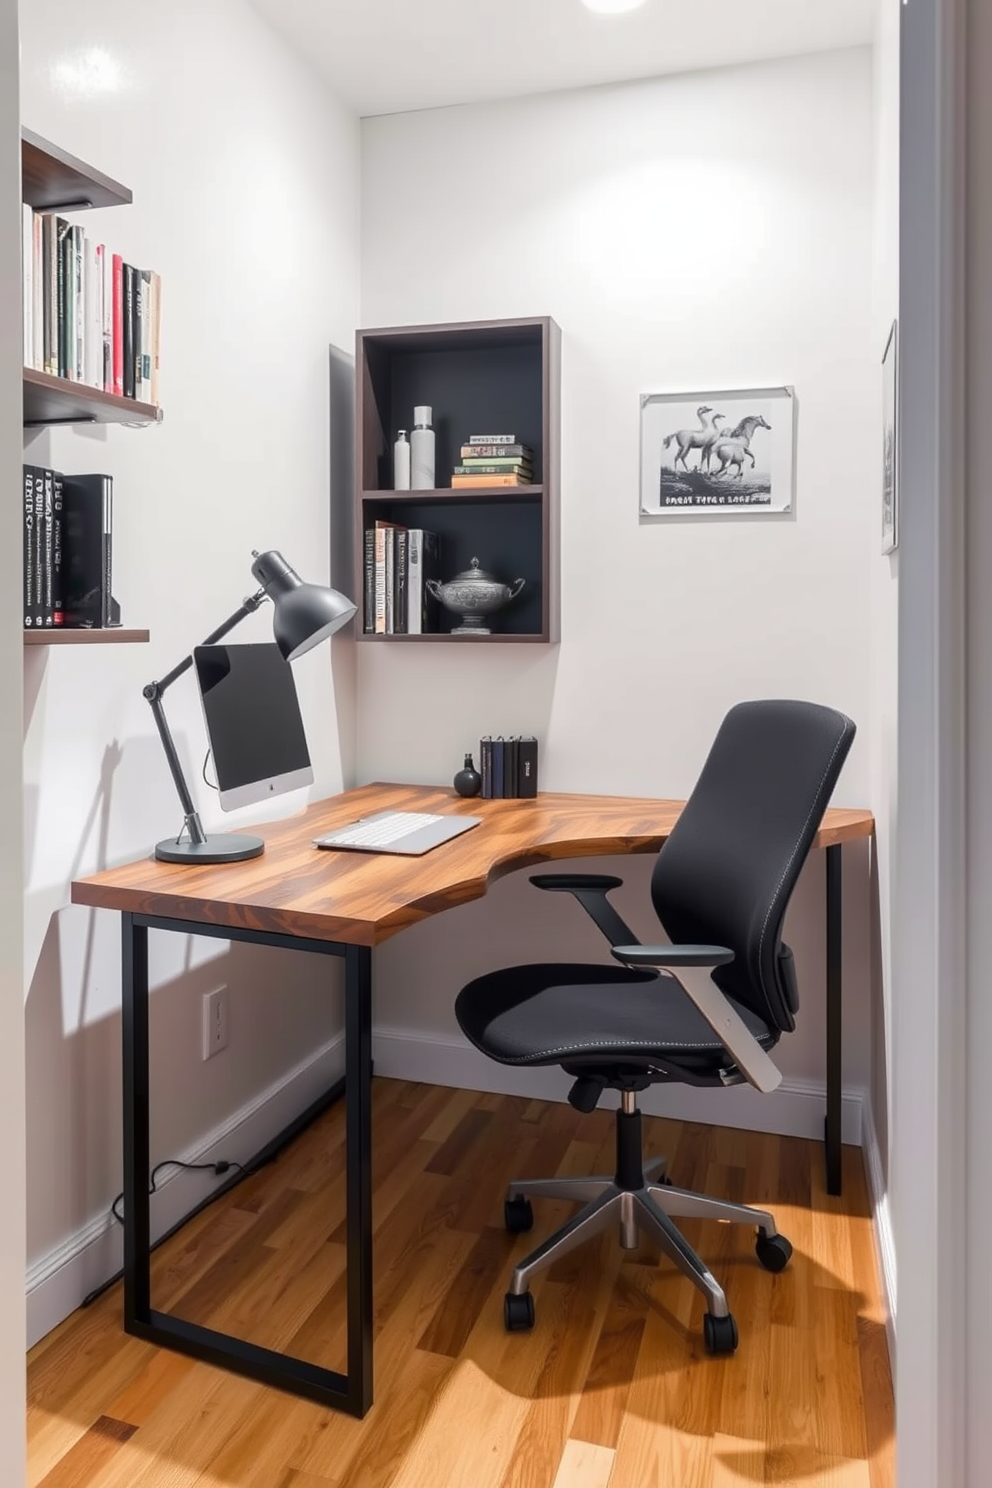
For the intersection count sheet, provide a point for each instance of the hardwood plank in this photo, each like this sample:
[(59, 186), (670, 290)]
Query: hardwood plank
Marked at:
[(584, 1465), (613, 1382), (84, 1460), (363, 899)]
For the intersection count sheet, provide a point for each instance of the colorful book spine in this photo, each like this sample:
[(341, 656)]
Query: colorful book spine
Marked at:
[(487, 482), (27, 283), (492, 439), (117, 324), (496, 451)]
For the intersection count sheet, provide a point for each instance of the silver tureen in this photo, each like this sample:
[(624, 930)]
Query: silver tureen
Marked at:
[(474, 595)]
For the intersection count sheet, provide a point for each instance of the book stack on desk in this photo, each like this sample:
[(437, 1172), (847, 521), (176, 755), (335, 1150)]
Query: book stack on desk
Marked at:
[(494, 460), (509, 767)]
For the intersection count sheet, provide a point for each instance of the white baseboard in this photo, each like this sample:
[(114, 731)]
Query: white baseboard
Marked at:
[(795, 1109), (58, 1282), (885, 1244)]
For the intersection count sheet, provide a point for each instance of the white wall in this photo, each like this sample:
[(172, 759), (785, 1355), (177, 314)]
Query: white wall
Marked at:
[(12, 1448), (884, 605), (978, 1176), (245, 175), (710, 230)]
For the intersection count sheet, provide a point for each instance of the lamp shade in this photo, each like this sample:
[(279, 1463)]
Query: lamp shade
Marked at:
[(304, 614)]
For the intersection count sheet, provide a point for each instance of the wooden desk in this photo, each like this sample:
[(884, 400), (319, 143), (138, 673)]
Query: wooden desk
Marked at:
[(343, 904)]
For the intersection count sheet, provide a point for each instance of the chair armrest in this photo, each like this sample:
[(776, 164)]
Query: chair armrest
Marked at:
[(590, 889), (571, 883), (673, 955), (693, 963)]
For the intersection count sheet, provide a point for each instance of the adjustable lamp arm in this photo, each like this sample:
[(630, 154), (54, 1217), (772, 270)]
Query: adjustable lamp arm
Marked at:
[(153, 693)]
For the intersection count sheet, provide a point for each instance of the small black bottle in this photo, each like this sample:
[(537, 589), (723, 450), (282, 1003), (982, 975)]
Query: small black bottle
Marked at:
[(468, 781)]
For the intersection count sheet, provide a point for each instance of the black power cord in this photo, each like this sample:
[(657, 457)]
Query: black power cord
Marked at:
[(220, 1168)]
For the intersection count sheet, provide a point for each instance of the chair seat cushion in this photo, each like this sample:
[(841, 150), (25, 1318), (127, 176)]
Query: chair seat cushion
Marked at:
[(558, 1013)]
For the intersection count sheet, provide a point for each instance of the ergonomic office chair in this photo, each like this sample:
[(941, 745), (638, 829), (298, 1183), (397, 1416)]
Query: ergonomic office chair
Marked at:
[(704, 1010)]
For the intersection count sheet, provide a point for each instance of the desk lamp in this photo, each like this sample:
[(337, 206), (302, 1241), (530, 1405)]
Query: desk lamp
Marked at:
[(303, 616)]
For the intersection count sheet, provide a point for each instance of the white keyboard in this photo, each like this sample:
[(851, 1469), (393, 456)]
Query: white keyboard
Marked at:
[(383, 831), (412, 832)]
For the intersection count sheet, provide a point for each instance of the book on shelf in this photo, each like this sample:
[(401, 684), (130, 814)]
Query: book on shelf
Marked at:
[(464, 482), (87, 564), (495, 468), (67, 551), (87, 315), (398, 563), (492, 439), (474, 452)]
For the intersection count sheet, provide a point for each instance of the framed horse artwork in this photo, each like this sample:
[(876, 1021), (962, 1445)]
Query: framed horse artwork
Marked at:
[(712, 454)]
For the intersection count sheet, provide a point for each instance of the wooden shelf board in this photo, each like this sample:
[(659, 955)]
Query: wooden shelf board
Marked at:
[(53, 180), (496, 639), (458, 336), (55, 400), (111, 636), (461, 493)]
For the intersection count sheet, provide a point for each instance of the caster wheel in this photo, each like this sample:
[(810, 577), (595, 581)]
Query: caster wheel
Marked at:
[(719, 1334), (518, 1312), (774, 1254), (518, 1215)]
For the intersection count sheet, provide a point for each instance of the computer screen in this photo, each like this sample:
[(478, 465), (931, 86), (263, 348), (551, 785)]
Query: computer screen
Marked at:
[(253, 722)]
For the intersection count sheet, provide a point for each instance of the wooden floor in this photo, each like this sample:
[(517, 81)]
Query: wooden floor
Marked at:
[(611, 1388)]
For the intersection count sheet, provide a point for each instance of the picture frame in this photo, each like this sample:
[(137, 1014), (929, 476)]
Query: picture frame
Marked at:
[(890, 441), (729, 453)]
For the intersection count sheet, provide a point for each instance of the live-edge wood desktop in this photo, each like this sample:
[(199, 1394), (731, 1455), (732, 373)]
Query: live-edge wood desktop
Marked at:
[(298, 897)]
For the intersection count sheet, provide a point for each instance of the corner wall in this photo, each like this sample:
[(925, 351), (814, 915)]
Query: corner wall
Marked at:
[(12, 1431), (705, 231), (245, 175)]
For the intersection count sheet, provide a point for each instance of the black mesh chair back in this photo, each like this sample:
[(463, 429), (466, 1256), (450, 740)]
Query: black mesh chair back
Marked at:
[(726, 873)]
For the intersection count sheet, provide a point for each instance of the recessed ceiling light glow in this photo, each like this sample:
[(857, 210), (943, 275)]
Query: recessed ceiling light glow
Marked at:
[(612, 7)]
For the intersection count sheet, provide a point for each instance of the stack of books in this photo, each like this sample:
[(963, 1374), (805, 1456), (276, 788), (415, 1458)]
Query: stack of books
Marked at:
[(398, 563), (508, 767), (494, 460), (88, 316), (68, 523)]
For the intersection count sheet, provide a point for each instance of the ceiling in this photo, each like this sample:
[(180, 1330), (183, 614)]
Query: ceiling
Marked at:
[(391, 56)]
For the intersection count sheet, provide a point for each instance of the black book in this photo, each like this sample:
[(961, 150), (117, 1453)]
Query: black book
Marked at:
[(58, 606), (370, 580), (400, 619), (431, 570), (527, 767), (486, 767), (128, 329), (87, 510), (499, 782), (65, 271), (31, 614), (140, 306), (47, 561), (512, 758)]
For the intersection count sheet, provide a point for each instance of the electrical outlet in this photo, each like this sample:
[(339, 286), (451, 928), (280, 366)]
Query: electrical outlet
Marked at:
[(214, 1022)]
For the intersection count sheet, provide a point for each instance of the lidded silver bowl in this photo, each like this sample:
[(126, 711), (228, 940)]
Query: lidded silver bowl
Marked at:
[(474, 594)]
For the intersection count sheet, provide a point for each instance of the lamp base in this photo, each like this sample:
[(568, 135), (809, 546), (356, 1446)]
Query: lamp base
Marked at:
[(224, 847)]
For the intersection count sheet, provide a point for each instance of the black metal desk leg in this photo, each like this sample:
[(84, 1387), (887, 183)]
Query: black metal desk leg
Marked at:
[(137, 1163), (358, 1116), (834, 1000)]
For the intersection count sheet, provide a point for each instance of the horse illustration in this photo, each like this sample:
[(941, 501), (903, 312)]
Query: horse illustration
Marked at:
[(731, 448), (691, 438)]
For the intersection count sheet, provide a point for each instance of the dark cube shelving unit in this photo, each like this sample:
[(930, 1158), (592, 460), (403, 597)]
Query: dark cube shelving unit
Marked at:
[(478, 377)]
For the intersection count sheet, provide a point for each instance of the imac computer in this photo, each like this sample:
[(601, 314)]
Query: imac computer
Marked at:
[(253, 722)]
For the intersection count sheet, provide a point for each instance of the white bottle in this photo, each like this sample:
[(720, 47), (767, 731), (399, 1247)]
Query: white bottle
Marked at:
[(401, 462), (422, 450)]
